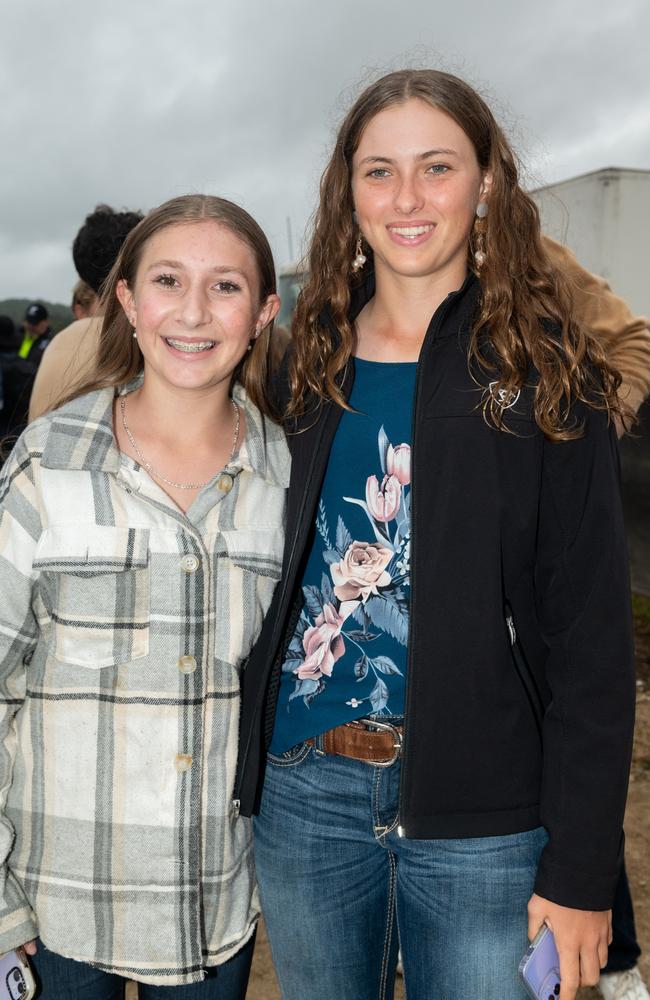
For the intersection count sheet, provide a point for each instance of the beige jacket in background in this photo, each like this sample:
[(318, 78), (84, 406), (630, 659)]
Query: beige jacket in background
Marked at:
[(625, 338), (70, 356)]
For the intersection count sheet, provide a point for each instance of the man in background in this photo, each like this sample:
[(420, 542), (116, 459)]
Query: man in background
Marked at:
[(73, 353), (37, 333)]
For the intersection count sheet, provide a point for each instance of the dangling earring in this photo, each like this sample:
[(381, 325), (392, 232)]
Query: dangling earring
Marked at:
[(135, 334), (359, 258), (480, 252)]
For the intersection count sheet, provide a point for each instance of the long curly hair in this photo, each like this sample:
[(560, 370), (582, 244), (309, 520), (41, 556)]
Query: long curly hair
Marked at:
[(525, 316), (119, 357)]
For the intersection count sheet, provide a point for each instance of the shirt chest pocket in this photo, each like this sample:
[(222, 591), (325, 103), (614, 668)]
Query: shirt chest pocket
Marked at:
[(245, 582), (97, 593)]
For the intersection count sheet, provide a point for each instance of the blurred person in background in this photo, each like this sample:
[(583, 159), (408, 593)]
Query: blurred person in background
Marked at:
[(94, 251), (85, 300), (37, 333), (20, 357)]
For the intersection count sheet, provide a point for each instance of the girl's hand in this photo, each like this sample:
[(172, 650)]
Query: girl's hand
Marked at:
[(29, 947), (581, 937)]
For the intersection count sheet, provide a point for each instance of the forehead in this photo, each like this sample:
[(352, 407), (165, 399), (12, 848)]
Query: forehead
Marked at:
[(409, 129), (205, 243)]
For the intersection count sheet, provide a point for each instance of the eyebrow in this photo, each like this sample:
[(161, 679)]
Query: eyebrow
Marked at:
[(178, 266), (420, 156)]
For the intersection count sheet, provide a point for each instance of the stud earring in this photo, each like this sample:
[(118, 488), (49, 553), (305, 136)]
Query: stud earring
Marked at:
[(359, 256)]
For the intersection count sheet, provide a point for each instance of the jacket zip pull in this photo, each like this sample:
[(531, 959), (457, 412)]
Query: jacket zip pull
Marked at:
[(510, 622), (235, 806)]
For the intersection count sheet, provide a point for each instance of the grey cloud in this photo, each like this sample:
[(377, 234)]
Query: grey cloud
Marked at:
[(136, 102)]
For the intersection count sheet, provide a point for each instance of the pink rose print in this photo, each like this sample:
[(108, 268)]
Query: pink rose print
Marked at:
[(383, 502), (361, 570), (323, 645), (398, 463)]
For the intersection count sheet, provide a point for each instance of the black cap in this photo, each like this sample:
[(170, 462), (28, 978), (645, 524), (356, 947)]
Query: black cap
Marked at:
[(36, 313)]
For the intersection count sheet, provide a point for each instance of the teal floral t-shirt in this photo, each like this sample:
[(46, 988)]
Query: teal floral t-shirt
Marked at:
[(347, 657)]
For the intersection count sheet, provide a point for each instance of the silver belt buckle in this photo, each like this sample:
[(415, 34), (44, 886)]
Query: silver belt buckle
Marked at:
[(385, 727)]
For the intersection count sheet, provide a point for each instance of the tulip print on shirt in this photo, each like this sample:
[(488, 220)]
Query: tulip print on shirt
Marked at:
[(347, 656)]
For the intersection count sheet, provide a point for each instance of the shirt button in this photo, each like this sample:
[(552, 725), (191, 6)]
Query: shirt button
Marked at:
[(183, 761), (224, 482), (189, 564), (187, 664)]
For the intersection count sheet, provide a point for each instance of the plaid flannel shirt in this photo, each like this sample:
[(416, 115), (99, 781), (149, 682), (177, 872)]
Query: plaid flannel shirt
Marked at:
[(124, 626)]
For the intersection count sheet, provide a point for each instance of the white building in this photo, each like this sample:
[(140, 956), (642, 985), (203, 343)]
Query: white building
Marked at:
[(604, 217)]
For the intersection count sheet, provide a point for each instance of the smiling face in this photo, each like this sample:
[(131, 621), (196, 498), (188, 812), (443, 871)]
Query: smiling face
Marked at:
[(416, 183), (195, 304)]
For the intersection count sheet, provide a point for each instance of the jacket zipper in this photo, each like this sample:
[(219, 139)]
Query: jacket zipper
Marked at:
[(277, 636), (527, 680), (429, 337)]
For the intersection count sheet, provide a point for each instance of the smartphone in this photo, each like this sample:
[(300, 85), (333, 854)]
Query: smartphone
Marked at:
[(539, 969), (16, 979)]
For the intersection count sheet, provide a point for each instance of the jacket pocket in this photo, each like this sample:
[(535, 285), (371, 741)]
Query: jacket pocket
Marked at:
[(524, 673), (97, 593)]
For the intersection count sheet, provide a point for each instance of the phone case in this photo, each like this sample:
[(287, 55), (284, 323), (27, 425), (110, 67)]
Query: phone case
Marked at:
[(16, 980), (540, 967)]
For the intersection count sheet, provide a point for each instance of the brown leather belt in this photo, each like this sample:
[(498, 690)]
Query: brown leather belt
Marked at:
[(373, 742)]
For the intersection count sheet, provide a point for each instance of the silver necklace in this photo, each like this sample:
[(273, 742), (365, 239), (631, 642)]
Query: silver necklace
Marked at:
[(158, 475)]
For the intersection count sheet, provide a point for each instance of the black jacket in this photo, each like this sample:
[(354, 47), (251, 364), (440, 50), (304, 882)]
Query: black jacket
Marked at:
[(520, 679)]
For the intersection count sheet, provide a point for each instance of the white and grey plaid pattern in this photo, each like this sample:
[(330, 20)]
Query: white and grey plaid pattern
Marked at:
[(124, 626)]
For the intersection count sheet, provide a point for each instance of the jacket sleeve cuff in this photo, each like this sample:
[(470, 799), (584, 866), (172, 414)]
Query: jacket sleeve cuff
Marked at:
[(571, 886), (17, 927)]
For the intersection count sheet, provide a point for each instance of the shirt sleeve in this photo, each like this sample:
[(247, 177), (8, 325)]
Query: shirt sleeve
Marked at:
[(624, 337), (19, 530), (584, 610)]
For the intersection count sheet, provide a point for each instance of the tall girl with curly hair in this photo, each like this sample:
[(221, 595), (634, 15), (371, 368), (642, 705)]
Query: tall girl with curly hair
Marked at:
[(437, 717)]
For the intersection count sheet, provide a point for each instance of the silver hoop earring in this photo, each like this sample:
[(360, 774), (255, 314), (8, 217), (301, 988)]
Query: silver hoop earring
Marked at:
[(359, 258)]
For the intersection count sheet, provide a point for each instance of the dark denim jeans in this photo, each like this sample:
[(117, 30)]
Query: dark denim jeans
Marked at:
[(338, 883), (64, 979)]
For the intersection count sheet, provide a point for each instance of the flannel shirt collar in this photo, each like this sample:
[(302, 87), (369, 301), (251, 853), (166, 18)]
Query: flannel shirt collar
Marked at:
[(81, 437)]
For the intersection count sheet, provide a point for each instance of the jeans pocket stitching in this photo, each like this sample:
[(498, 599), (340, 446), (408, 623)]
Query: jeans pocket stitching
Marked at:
[(293, 759)]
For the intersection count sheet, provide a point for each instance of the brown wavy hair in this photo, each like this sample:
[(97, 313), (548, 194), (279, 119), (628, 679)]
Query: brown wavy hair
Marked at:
[(525, 311), (119, 358)]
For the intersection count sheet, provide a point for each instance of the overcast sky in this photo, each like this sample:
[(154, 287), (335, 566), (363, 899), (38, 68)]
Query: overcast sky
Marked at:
[(133, 101)]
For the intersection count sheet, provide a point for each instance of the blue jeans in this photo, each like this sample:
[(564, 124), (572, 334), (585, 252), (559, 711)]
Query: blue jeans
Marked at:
[(61, 978), (338, 885)]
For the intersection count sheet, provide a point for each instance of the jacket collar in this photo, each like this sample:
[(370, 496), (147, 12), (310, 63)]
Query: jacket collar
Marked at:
[(81, 437), (461, 303)]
